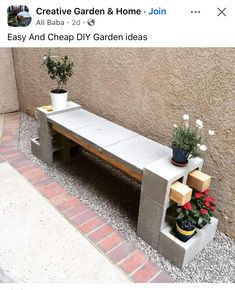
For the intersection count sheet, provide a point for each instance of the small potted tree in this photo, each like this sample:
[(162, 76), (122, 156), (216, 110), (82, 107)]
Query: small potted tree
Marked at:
[(60, 70), (187, 141)]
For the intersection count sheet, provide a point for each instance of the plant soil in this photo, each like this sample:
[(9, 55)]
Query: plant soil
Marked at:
[(58, 91)]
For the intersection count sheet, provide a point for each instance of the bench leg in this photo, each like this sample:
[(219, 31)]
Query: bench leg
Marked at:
[(152, 208), (45, 139)]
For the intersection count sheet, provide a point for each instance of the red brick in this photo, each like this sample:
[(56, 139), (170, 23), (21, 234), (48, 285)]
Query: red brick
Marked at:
[(122, 251), (9, 144), (21, 163), (162, 277), (68, 204), (9, 138), (27, 168), (132, 262), (4, 150), (37, 178), (11, 157), (83, 218), (91, 225), (110, 242), (11, 131), (145, 273), (60, 198), (33, 172), (52, 194), (20, 160), (43, 182), (100, 233), (50, 187), (75, 210)]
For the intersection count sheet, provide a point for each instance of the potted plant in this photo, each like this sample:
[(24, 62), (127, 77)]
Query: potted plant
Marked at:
[(60, 70), (204, 204), (187, 141), (185, 222)]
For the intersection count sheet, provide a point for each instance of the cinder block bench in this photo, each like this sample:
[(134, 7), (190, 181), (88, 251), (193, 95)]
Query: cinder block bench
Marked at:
[(148, 162)]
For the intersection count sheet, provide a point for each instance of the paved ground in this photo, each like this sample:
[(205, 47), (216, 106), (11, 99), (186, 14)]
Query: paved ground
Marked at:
[(38, 245), (52, 236), (115, 199), (1, 125)]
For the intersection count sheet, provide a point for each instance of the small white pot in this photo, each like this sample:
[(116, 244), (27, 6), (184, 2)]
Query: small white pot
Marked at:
[(59, 101)]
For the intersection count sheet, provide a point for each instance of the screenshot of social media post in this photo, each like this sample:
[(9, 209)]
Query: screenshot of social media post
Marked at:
[(117, 143)]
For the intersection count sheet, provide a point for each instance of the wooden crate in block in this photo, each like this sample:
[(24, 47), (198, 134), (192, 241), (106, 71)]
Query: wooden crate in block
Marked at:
[(180, 193), (199, 180)]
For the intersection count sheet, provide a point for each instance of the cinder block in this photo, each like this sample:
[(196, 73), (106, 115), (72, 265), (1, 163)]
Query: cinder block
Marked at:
[(154, 186), (150, 220), (181, 253), (159, 176), (45, 133), (199, 180), (35, 147), (180, 193)]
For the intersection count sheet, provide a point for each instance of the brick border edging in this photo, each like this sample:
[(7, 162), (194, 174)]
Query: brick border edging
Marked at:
[(122, 253)]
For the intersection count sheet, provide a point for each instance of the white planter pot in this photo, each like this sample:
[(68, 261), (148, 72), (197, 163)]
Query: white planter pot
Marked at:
[(59, 101)]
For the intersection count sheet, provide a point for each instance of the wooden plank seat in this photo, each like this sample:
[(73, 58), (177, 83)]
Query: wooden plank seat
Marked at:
[(123, 148)]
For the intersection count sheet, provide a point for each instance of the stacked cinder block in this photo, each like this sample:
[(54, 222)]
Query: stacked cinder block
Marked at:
[(163, 186), (48, 143)]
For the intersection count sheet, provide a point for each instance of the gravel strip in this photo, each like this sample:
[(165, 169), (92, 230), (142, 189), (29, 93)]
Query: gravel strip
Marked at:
[(115, 198)]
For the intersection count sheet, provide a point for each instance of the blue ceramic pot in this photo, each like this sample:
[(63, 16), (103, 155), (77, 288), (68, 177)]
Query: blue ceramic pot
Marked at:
[(179, 156)]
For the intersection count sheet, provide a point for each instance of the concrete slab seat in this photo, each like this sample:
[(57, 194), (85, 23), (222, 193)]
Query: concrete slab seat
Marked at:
[(123, 148)]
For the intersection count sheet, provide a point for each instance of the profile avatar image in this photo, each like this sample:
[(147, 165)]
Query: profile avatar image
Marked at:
[(18, 16)]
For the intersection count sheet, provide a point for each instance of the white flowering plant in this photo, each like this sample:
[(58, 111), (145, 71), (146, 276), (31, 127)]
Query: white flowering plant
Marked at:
[(60, 70), (189, 136)]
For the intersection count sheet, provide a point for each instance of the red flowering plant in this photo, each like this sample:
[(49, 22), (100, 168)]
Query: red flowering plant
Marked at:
[(199, 210), (204, 203)]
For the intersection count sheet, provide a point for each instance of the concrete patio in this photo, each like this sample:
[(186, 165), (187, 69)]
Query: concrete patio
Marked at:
[(51, 236), (39, 245)]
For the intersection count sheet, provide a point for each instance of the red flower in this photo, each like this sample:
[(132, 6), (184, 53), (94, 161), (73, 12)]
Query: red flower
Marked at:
[(203, 211), (207, 191), (187, 206), (212, 208), (198, 195), (207, 203), (210, 199)]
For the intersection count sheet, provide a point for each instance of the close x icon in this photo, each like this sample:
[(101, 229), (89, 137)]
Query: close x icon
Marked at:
[(222, 12)]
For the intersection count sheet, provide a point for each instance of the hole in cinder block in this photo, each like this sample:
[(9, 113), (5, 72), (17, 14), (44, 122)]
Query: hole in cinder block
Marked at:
[(74, 151), (194, 170), (171, 215), (56, 142), (58, 155), (180, 179)]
